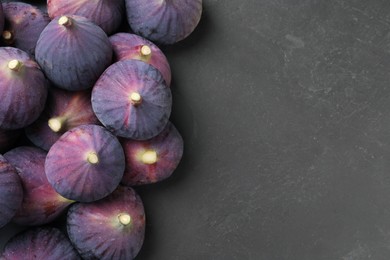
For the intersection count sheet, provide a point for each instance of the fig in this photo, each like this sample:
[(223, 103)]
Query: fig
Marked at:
[(23, 25), (73, 52), (23, 89), (64, 111), (152, 160), (132, 100), (105, 13), (85, 164), (111, 228), (8, 139), (11, 191), (132, 46), (39, 243), (41, 203), (163, 21), (1, 18)]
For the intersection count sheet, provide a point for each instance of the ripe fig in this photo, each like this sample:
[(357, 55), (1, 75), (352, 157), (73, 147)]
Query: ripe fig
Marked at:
[(39, 243), (73, 52), (132, 46), (41, 203), (132, 100), (111, 228), (105, 13), (152, 160), (85, 164), (23, 89), (23, 25), (64, 111), (163, 21), (11, 191), (8, 138)]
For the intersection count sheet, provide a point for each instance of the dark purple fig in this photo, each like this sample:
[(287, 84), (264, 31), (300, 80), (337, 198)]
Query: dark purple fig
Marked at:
[(85, 164), (105, 13), (23, 25), (152, 160), (132, 100), (111, 228), (11, 191), (163, 21), (39, 243), (1, 18), (131, 46), (41, 203), (8, 139), (64, 111), (73, 52), (23, 89)]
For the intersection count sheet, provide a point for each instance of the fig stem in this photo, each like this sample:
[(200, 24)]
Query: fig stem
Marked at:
[(65, 21), (124, 219), (149, 157), (57, 124), (145, 51), (15, 65), (7, 36), (92, 158), (135, 98)]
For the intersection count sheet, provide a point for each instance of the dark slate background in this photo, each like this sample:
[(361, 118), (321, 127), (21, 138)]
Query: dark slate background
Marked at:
[(284, 106)]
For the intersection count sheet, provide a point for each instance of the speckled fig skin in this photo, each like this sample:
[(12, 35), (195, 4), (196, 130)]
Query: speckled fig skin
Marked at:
[(107, 14), (73, 52), (163, 21), (41, 203), (152, 160), (23, 89), (132, 100), (39, 243), (23, 25), (131, 46), (1, 18), (8, 139), (111, 228), (85, 164), (64, 111), (11, 191)]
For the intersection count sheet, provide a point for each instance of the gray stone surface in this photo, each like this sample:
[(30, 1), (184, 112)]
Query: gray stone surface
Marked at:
[(284, 109)]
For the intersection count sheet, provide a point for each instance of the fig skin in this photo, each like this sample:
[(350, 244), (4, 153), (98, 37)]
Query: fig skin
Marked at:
[(132, 46), (111, 228), (73, 52), (85, 164), (23, 25), (163, 21), (152, 160), (11, 191), (64, 111), (41, 203), (107, 14), (8, 139), (132, 100), (23, 89), (39, 243)]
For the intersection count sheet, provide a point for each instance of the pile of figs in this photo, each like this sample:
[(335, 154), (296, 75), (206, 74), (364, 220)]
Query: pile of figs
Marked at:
[(85, 104)]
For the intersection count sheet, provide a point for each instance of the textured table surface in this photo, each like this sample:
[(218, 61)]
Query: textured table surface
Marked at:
[(284, 106)]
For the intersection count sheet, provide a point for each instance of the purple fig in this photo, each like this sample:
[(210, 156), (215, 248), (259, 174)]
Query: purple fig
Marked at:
[(132, 46), (64, 111), (23, 89), (111, 228), (105, 13), (41, 203), (23, 25), (11, 191), (1, 18), (73, 52), (132, 100), (152, 160), (8, 138), (163, 21), (85, 164), (39, 243)]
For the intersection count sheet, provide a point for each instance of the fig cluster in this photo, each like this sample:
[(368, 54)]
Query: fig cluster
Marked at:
[(84, 119)]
